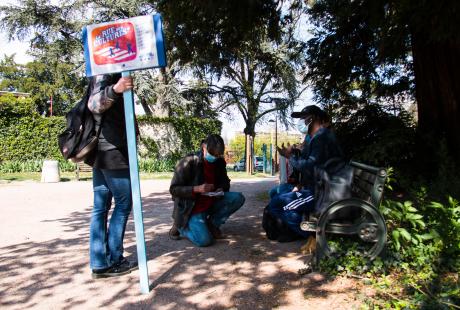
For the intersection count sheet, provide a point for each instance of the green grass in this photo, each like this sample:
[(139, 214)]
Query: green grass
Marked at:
[(85, 176), (24, 176), (243, 175), (155, 175), (36, 176)]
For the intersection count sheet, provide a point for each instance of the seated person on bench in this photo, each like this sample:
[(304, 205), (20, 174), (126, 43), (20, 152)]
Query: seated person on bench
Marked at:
[(294, 175), (292, 206)]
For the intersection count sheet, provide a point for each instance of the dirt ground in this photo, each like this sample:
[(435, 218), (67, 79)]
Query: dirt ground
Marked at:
[(44, 257)]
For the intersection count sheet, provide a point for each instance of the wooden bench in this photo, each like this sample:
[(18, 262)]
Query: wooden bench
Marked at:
[(357, 217), (82, 167)]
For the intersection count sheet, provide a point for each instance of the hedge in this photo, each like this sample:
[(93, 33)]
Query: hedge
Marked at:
[(26, 136)]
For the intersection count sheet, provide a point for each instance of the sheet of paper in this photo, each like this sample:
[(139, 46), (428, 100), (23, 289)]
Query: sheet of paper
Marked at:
[(213, 194)]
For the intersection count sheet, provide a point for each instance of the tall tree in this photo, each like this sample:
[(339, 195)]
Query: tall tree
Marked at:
[(54, 32), (169, 95), (245, 53), (374, 51), (44, 82)]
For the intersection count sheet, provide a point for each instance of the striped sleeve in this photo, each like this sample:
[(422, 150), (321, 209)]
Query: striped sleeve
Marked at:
[(102, 95)]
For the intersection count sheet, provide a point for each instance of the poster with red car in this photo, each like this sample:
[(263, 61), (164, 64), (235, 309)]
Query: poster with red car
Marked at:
[(124, 45)]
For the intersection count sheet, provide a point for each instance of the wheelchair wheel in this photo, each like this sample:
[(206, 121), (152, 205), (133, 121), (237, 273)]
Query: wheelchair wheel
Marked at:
[(357, 220)]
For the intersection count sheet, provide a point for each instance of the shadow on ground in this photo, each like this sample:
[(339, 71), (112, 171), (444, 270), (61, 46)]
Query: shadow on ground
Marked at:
[(244, 271)]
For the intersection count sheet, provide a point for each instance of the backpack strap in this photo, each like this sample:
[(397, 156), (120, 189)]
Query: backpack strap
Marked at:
[(100, 126), (334, 164)]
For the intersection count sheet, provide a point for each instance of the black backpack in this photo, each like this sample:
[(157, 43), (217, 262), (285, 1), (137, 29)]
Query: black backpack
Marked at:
[(80, 138), (332, 183), (276, 229)]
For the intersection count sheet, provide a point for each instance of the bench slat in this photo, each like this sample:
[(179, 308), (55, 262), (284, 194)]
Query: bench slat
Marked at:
[(365, 187), (368, 182), (82, 167)]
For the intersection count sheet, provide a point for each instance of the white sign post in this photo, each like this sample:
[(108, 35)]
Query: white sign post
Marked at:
[(122, 46)]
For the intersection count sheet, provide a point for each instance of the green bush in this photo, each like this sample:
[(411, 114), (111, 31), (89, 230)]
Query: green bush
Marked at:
[(419, 268), (145, 165), (190, 132), (421, 263), (156, 165), (12, 108), (25, 134), (377, 137), (12, 166), (66, 166)]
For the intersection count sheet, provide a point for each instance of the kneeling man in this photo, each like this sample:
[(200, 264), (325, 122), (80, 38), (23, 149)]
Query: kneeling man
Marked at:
[(200, 190)]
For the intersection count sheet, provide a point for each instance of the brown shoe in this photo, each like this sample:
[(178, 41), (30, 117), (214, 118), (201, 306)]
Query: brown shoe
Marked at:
[(215, 231), (174, 233)]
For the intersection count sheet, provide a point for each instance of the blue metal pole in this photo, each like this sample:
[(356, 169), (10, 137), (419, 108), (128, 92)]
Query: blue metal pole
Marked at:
[(264, 150), (271, 160), (135, 189)]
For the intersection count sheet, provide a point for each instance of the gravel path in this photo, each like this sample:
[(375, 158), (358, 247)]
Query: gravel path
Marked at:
[(44, 257)]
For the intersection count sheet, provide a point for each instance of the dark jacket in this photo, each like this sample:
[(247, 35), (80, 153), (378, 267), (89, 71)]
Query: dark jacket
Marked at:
[(322, 147), (108, 111), (104, 102), (188, 173)]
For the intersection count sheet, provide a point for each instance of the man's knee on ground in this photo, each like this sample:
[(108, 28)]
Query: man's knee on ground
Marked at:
[(202, 240), (235, 200)]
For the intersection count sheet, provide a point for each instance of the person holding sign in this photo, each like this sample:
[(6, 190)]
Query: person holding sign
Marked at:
[(121, 46), (200, 189), (111, 177)]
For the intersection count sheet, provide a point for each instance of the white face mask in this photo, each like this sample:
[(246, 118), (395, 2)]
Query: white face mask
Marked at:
[(302, 127)]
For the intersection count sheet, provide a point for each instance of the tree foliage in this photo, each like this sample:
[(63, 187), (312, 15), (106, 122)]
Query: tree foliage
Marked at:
[(355, 56), (190, 132), (43, 81), (389, 52), (379, 138), (237, 144), (54, 31), (165, 93), (244, 53)]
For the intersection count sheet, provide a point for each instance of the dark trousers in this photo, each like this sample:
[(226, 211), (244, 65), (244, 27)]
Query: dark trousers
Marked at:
[(291, 208)]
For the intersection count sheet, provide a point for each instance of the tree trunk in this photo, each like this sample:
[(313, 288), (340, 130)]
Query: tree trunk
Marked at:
[(249, 161), (163, 103), (250, 133), (437, 80), (145, 106)]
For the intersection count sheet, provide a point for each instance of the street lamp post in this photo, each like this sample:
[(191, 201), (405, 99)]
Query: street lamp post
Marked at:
[(276, 141)]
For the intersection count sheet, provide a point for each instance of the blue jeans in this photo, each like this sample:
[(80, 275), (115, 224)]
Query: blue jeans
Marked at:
[(197, 230), (290, 208), (106, 244)]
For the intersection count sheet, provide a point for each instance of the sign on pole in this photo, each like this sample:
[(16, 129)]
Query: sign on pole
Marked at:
[(122, 46)]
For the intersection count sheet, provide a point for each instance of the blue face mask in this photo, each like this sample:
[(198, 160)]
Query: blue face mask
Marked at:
[(209, 158), (302, 127)]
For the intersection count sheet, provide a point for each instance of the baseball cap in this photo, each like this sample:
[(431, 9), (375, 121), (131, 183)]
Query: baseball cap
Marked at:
[(308, 110)]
